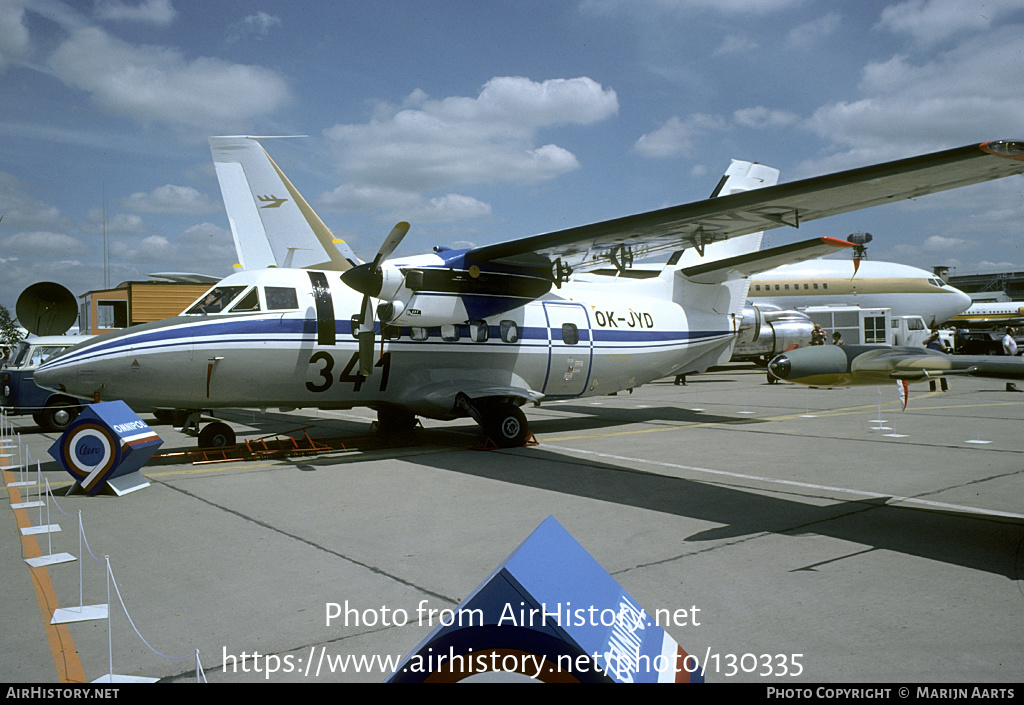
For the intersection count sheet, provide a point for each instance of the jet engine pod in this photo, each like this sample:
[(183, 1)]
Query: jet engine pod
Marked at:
[(46, 308), (817, 365)]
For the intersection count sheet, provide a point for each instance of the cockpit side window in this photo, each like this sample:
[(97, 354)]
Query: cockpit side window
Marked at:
[(216, 299), (249, 302), (280, 298)]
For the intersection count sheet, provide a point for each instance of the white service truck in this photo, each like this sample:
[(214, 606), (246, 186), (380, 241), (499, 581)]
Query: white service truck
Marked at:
[(869, 326)]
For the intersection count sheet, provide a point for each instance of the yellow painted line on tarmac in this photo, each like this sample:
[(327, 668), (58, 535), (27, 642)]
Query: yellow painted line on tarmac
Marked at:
[(58, 636)]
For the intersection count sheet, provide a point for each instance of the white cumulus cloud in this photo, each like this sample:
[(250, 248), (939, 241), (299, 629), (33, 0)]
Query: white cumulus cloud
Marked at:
[(156, 12), (490, 138), (157, 84), (677, 136), (170, 199)]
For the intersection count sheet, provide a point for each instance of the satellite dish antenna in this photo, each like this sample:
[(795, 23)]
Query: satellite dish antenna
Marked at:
[(46, 308)]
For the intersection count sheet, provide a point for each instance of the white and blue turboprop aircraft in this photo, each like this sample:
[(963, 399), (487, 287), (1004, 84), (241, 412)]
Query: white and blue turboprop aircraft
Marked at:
[(482, 331)]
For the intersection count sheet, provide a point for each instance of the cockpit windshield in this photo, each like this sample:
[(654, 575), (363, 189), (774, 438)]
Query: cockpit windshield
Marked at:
[(216, 299)]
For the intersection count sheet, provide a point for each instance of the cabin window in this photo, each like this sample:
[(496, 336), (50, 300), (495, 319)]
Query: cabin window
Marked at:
[(478, 332), (249, 302), (281, 298), (418, 334), (787, 287), (216, 299), (570, 334), (757, 287), (509, 332), (449, 333), (776, 287), (824, 285), (806, 287), (815, 286)]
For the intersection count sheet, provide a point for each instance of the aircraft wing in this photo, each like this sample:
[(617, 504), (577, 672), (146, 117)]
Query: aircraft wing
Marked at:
[(696, 224), (763, 260), (912, 369)]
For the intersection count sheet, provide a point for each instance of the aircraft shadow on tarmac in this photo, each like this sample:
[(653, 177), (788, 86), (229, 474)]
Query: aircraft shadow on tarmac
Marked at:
[(988, 544), (594, 417), (967, 540)]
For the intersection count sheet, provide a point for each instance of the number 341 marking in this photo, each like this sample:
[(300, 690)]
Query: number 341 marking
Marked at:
[(326, 372)]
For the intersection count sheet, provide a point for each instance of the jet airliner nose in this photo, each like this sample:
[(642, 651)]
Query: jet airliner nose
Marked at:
[(780, 367)]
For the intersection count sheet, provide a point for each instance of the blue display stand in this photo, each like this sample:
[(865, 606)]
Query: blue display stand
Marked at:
[(552, 613), (104, 446)]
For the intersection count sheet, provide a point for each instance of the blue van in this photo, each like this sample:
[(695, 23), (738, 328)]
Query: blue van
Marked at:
[(19, 394)]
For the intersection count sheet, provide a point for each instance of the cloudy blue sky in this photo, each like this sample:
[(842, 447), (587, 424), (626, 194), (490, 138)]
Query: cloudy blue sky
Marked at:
[(484, 121)]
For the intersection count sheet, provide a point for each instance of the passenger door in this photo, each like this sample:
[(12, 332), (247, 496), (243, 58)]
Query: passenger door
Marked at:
[(570, 349)]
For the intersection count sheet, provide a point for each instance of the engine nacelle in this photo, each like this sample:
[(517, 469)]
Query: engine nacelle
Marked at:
[(749, 328), (776, 332), (426, 310)]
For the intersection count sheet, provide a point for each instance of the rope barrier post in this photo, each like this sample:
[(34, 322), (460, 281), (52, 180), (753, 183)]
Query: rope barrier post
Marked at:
[(82, 613), (50, 558), (110, 677), (21, 467), (47, 527), (28, 483)]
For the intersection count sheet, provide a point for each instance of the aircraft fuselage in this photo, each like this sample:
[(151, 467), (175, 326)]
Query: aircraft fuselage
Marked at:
[(580, 340)]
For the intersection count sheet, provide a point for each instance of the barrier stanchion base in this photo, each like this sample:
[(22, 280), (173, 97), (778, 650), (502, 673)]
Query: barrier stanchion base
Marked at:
[(66, 615), (32, 530), (107, 678), (50, 559)]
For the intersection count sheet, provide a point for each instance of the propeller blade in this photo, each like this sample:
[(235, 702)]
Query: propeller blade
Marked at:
[(365, 334), (366, 341), (392, 241), (367, 280)]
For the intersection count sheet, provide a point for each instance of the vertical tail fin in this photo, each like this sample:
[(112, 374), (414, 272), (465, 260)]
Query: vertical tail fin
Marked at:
[(728, 296), (271, 222), (740, 176)]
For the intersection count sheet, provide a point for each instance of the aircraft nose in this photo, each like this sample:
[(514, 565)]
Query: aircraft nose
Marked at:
[(780, 367), (46, 378)]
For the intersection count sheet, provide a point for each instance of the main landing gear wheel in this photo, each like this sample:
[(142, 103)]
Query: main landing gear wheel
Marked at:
[(507, 425), (216, 435)]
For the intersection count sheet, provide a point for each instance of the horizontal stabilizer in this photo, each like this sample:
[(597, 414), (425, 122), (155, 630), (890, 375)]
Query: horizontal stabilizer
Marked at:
[(762, 260)]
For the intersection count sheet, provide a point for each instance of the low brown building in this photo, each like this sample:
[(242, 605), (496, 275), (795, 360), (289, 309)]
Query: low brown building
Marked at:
[(132, 303)]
